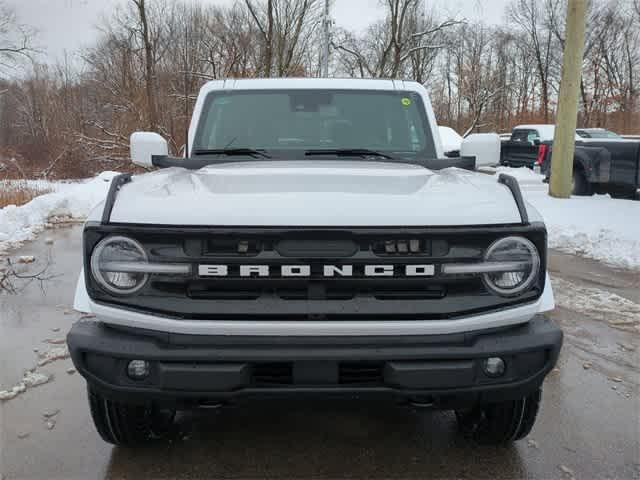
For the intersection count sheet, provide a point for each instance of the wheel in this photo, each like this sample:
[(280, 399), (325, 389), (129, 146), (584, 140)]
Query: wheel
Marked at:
[(500, 423), (127, 425), (623, 193), (581, 186)]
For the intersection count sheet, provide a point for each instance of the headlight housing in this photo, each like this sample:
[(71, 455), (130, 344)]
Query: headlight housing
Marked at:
[(524, 257), (107, 262)]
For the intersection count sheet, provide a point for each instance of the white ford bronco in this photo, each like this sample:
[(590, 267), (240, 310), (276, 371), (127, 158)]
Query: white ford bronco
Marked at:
[(314, 240)]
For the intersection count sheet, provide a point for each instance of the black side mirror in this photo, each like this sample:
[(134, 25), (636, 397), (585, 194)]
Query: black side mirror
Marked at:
[(536, 142)]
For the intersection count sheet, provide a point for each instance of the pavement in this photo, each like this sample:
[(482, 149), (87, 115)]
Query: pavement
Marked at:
[(588, 426)]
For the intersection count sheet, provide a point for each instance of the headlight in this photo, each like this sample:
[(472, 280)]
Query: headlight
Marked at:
[(523, 261), (113, 265)]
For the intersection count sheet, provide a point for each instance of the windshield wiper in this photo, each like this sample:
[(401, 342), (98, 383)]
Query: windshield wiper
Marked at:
[(350, 152), (251, 152)]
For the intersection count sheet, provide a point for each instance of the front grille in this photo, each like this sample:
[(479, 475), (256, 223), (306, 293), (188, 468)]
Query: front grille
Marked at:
[(360, 373), (315, 297), (272, 374), (283, 374)]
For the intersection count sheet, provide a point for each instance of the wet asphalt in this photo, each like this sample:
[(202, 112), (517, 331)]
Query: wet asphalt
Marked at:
[(588, 427)]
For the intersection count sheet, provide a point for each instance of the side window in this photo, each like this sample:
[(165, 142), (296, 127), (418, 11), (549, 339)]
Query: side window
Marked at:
[(520, 136), (532, 136)]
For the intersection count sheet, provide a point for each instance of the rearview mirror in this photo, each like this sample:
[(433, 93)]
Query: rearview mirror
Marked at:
[(146, 145), (485, 147)]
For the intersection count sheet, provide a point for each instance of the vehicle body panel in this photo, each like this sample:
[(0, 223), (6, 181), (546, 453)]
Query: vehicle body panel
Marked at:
[(315, 193)]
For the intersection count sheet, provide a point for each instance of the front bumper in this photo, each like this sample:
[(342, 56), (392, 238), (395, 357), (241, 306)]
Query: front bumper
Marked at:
[(442, 370)]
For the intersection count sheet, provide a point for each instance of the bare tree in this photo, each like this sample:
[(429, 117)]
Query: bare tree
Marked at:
[(152, 56), (527, 15), (406, 34), (149, 61), (15, 39), (287, 28)]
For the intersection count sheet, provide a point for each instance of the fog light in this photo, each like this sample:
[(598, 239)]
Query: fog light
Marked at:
[(493, 367), (138, 369)]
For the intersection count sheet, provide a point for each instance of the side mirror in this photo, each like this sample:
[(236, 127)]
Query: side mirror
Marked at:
[(485, 147), (146, 145)]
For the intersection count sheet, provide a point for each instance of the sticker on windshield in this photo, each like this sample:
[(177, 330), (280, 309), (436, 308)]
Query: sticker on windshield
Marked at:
[(406, 101)]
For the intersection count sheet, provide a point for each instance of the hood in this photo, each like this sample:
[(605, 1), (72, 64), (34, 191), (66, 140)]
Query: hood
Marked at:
[(318, 193)]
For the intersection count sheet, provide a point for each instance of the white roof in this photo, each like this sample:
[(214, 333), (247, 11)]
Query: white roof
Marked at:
[(546, 132), (310, 83)]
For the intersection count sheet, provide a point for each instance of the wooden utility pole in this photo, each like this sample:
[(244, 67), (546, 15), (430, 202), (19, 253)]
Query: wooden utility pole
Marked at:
[(326, 39), (567, 118)]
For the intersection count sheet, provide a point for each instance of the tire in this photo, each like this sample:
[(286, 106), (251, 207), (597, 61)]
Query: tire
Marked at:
[(500, 423), (623, 193), (126, 425), (581, 186)]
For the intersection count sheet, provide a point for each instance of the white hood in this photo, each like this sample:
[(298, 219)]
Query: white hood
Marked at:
[(318, 193)]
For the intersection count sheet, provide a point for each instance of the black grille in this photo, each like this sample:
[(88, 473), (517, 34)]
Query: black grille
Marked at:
[(356, 297), (272, 374), (281, 374), (360, 373)]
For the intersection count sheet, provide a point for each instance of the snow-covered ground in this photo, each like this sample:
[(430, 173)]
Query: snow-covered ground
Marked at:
[(68, 201), (598, 227)]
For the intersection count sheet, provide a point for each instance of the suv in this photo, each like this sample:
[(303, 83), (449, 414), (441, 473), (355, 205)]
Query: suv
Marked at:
[(314, 241)]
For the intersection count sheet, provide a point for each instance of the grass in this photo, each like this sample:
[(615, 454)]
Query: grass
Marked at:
[(19, 192)]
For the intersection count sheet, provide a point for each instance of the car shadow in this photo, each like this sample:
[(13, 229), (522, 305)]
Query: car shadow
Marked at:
[(321, 440)]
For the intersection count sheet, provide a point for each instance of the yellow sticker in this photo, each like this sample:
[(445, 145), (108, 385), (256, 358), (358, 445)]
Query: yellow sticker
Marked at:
[(406, 101)]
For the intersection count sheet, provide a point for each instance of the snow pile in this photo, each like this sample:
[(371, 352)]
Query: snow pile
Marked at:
[(37, 184), (597, 227), (70, 201), (31, 379), (617, 311)]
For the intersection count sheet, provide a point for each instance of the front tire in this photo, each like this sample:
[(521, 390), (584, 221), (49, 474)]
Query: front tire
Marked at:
[(500, 423), (126, 425)]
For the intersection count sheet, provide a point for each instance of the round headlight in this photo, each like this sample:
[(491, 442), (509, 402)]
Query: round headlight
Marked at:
[(524, 257), (106, 258)]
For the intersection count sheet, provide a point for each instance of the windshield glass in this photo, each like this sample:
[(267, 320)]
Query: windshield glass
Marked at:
[(288, 123)]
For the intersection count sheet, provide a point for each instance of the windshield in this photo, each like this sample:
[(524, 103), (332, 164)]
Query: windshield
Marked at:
[(288, 123)]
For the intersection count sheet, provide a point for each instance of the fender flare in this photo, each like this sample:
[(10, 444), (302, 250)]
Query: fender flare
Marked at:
[(595, 163)]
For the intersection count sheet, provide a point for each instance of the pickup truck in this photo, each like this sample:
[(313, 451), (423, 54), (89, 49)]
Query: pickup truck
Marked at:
[(314, 242), (602, 163)]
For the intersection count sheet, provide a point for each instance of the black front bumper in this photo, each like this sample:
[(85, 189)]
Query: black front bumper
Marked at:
[(445, 370)]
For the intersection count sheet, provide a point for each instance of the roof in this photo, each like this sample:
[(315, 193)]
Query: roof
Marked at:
[(311, 83), (546, 132)]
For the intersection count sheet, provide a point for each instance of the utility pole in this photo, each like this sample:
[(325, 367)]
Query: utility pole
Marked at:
[(326, 21), (564, 142)]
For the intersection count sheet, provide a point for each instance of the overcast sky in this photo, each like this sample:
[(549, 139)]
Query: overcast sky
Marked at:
[(68, 25)]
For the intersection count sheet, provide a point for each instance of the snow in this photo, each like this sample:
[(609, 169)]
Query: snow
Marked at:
[(622, 313), (31, 379), (597, 227), (71, 201)]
